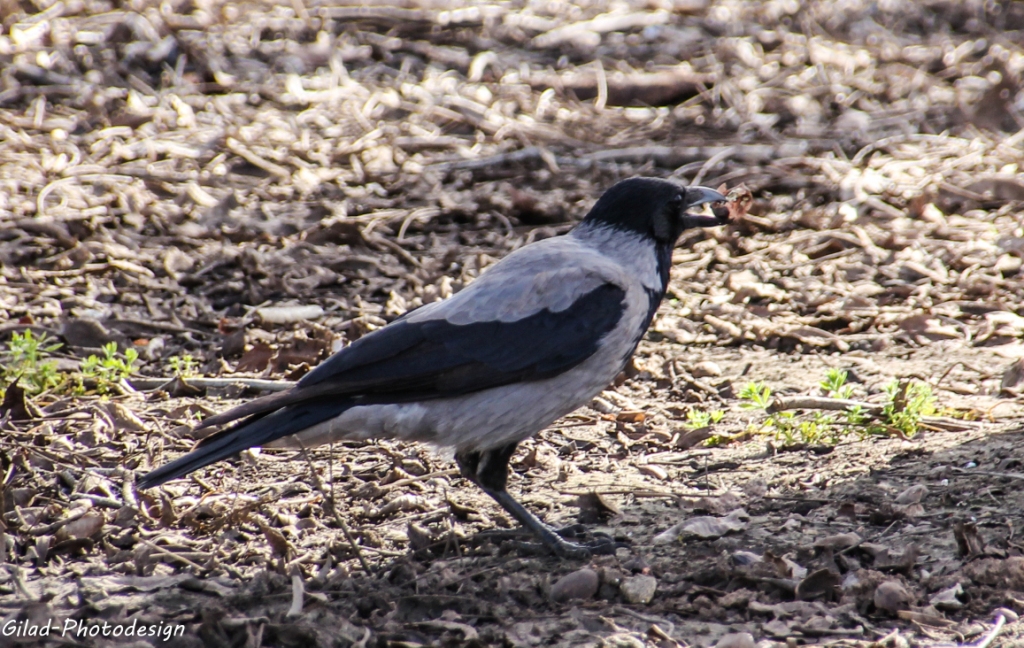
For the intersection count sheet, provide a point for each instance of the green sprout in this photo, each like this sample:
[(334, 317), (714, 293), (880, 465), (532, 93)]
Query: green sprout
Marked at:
[(756, 395), (26, 359), (183, 366), (907, 403), (835, 385), (696, 419), (111, 369)]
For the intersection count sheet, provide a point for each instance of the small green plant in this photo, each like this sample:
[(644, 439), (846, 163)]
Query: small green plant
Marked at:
[(193, 417), (857, 415), (183, 366), (756, 395), (26, 359), (111, 369), (696, 419), (906, 404), (792, 429), (835, 385)]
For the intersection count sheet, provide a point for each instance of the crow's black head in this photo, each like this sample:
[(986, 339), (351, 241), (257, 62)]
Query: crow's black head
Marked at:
[(652, 207)]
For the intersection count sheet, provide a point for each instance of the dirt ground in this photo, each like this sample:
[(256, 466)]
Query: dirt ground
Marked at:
[(254, 185)]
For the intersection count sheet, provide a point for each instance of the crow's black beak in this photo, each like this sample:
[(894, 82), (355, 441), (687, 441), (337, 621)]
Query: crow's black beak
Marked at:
[(698, 196)]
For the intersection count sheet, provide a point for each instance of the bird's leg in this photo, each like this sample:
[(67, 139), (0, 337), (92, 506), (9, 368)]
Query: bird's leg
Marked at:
[(489, 470)]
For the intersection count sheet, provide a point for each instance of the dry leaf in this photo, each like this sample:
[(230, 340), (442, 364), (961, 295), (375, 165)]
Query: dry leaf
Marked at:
[(84, 527), (968, 541), (948, 599), (652, 470), (924, 618), (595, 507), (400, 504), (929, 327), (1013, 378), (630, 417), (819, 584), (419, 537), (690, 437), (785, 567), (706, 527), (124, 418), (255, 359), (279, 545), (14, 403), (638, 590)]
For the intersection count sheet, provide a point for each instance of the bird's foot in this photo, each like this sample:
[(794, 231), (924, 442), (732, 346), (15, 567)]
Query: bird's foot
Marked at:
[(567, 542), (570, 550), (569, 532), (572, 531), (554, 540), (599, 544)]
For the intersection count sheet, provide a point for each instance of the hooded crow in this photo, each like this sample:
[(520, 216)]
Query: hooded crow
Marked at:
[(536, 336)]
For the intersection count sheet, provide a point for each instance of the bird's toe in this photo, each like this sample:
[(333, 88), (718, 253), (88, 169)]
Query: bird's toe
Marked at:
[(598, 544), (572, 531)]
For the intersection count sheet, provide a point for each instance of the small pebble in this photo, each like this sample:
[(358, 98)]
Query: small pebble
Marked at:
[(838, 542), (891, 597), (638, 589), (744, 558), (581, 584), (736, 640), (912, 495), (706, 369)]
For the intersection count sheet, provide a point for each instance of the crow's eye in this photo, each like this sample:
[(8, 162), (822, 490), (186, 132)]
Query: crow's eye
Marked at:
[(676, 201)]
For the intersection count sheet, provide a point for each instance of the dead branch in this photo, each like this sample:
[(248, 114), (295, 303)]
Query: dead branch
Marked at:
[(47, 529), (657, 88), (588, 32), (821, 403), (392, 16), (148, 384)]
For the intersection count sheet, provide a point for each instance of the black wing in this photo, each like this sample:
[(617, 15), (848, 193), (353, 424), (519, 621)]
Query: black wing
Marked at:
[(413, 361), (435, 358)]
